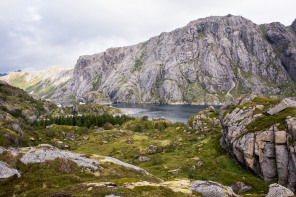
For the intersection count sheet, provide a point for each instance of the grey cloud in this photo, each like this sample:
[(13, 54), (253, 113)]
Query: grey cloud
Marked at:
[(36, 34)]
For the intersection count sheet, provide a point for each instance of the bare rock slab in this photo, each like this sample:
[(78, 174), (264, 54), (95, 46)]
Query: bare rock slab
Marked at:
[(212, 189), (284, 104), (6, 171), (276, 190)]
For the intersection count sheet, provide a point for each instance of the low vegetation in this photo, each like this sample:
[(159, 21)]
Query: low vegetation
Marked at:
[(82, 121), (165, 149)]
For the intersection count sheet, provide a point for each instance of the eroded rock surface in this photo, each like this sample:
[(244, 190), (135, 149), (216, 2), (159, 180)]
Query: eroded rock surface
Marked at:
[(264, 144), (276, 190), (7, 171), (207, 61), (212, 189), (46, 152)]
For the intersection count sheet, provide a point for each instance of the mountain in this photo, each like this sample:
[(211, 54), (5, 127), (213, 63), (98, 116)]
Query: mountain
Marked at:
[(206, 61), (51, 83)]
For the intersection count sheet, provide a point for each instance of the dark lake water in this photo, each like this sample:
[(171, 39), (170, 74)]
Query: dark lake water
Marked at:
[(175, 113)]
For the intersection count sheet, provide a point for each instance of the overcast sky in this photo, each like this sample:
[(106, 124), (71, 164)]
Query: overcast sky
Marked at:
[(36, 34)]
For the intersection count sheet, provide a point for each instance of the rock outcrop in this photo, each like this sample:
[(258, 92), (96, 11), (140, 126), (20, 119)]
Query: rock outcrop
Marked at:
[(210, 188), (6, 171), (262, 143), (45, 152), (276, 190), (198, 63)]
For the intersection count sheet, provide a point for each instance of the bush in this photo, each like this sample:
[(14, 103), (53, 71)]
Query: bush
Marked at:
[(108, 126), (145, 118), (137, 128)]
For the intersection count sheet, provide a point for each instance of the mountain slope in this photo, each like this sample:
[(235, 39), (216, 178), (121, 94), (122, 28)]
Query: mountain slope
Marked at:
[(18, 109), (51, 83), (206, 61)]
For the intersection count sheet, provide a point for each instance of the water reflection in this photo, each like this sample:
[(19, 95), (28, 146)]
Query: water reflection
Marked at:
[(175, 113)]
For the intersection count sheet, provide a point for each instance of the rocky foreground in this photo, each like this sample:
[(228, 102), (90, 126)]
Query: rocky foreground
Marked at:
[(66, 162)]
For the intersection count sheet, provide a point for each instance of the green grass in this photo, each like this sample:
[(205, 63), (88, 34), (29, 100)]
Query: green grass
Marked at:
[(173, 154), (266, 121), (65, 176)]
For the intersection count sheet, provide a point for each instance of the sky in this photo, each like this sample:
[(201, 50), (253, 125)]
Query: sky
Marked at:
[(37, 34)]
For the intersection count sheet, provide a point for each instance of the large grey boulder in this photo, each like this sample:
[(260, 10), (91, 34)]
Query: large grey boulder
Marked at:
[(284, 104), (46, 152), (211, 189), (6, 171), (276, 190)]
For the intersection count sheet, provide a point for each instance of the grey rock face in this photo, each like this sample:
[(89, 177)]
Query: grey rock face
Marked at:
[(211, 189), (227, 55), (284, 104), (276, 190), (270, 152), (294, 25), (6, 171), (46, 152), (283, 39)]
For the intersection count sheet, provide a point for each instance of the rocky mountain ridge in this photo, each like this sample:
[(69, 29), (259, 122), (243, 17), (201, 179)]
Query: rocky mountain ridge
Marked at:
[(50, 83), (207, 61)]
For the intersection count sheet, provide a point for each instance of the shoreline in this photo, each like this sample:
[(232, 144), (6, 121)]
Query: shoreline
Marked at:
[(112, 103)]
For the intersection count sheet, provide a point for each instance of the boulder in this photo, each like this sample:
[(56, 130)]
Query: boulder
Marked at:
[(240, 187), (152, 149), (211, 108), (284, 104), (199, 163), (176, 171), (45, 152), (6, 171), (85, 137), (212, 189), (276, 190), (143, 158)]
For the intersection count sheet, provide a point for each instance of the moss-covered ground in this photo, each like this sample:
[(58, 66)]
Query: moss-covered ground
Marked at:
[(176, 151)]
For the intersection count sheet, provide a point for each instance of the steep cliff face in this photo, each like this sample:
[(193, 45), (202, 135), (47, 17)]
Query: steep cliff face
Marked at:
[(259, 133), (49, 84), (207, 61)]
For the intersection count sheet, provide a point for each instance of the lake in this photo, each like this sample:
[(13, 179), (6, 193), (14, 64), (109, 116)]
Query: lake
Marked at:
[(175, 113)]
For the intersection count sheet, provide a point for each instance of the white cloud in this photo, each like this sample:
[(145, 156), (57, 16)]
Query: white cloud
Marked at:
[(36, 34)]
